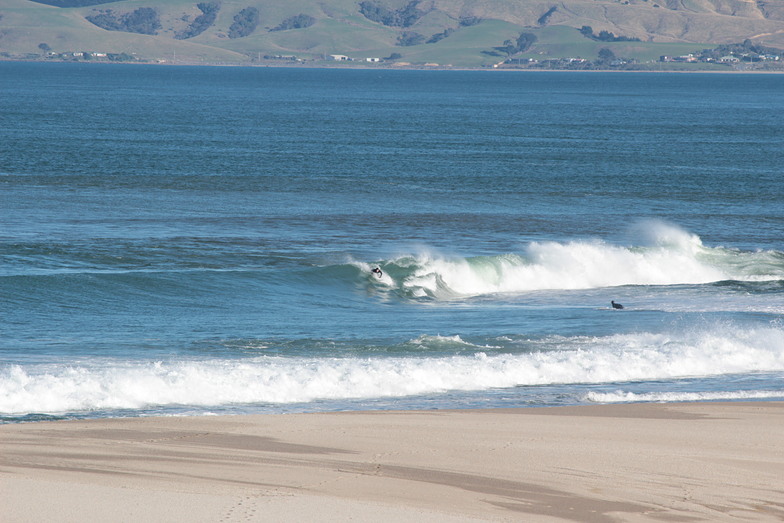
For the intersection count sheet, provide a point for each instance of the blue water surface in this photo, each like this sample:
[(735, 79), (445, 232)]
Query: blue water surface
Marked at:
[(200, 239)]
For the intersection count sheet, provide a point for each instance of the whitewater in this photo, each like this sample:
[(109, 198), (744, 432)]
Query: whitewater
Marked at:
[(107, 385), (670, 256), (161, 260)]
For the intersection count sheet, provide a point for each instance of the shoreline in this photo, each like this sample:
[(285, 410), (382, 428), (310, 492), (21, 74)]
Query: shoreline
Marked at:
[(412, 67), (622, 462)]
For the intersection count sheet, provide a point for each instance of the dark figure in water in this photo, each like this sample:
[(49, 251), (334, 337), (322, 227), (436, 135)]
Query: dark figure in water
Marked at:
[(616, 305), (377, 272)]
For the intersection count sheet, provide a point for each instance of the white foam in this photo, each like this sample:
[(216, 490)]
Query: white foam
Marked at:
[(438, 340), (663, 255), (668, 397), (109, 384), (659, 233)]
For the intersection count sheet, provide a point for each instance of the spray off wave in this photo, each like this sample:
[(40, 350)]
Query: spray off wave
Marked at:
[(667, 256), (263, 380)]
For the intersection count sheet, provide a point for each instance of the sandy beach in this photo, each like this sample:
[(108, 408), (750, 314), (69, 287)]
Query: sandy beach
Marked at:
[(636, 462)]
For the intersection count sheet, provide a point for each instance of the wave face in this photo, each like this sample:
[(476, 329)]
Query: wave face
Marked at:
[(406, 370), (668, 256)]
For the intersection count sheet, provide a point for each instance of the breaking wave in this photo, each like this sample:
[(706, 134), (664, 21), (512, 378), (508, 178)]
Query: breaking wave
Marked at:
[(105, 384), (667, 255)]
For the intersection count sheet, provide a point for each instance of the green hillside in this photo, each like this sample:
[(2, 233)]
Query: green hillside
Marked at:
[(467, 33)]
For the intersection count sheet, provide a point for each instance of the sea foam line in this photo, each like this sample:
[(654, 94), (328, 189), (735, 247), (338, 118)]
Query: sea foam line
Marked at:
[(111, 384), (668, 397)]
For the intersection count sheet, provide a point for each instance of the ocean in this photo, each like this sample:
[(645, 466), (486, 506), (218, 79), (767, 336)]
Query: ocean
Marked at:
[(200, 240)]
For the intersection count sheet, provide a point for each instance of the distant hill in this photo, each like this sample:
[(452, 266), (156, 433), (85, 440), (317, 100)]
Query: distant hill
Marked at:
[(460, 33)]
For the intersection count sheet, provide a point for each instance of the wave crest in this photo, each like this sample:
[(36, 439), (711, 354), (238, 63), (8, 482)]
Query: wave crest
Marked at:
[(666, 255)]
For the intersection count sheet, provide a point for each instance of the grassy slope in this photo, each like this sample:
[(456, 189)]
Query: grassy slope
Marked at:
[(66, 30), (561, 41), (464, 47), (340, 29)]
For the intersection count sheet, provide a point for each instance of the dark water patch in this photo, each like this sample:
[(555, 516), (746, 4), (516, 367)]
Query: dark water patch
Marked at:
[(752, 287), (32, 417)]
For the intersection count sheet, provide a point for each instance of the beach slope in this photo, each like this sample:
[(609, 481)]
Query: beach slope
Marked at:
[(637, 462)]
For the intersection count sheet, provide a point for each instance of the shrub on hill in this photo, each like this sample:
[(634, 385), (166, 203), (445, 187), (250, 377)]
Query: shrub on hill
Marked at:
[(120, 57), (245, 22), (468, 21), (143, 20), (521, 44), (605, 36), (545, 17), (440, 36), (209, 12), (105, 20), (605, 56), (408, 38), (404, 17), (299, 21), (525, 41)]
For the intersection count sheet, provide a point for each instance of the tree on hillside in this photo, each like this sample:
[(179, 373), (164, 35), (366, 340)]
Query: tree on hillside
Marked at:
[(605, 36), (245, 22), (120, 57), (440, 36), (606, 55), (299, 21), (468, 21), (105, 20), (143, 20), (209, 12), (546, 17), (404, 17), (525, 41), (408, 38), (521, 44), (508, 47)]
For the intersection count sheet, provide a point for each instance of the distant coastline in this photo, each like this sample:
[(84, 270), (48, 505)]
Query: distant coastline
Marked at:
[(388, 67), (624, 35)]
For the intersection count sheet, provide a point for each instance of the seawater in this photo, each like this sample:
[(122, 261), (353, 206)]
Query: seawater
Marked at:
[(196, 240)]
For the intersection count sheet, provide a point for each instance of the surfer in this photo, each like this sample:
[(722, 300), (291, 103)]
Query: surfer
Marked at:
[(377, 272), (616, 305)]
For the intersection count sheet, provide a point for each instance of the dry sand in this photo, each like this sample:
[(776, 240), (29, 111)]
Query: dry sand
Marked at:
[(652, 462)]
